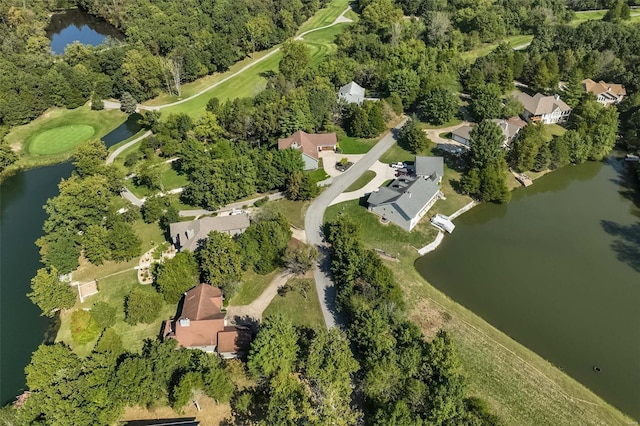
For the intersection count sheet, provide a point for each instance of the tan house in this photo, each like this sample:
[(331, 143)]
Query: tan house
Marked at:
[(187, 235), (606, 93), (544, 109), (510, 129), (202, 325), (310, 144)]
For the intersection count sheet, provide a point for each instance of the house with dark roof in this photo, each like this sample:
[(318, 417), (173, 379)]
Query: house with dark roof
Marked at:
[(544, 109), (188, 235), (606, 93), (510, 129), (352, 93), (310, 144), (201, 324)]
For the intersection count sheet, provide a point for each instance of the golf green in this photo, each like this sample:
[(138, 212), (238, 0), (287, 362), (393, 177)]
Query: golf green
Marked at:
[(59, 139)]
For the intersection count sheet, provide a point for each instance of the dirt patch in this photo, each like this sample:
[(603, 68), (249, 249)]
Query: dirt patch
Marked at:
[(211, 413), (429, 318)]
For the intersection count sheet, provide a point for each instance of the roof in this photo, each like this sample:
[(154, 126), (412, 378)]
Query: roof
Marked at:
[(540, 104), (234, 339), (463, 131), (352, 92), (602, 87), (510, 127), (202, 302), (186, 235), (308, 142), (408, 196), (428, 166)]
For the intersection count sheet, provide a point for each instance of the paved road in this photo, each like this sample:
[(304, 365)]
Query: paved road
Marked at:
[(119, 151), (315, 218)]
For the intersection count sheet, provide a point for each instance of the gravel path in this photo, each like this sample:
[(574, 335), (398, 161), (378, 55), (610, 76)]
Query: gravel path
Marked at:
[(256, 308)]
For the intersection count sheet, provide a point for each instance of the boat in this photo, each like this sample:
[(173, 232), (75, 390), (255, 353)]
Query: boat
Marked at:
[(443, 222), (632, 158)]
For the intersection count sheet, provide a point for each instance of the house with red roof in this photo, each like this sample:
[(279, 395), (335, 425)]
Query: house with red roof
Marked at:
[(201, 324), (310, 144)]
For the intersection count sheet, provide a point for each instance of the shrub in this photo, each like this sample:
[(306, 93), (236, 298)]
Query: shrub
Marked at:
[(84, 328)]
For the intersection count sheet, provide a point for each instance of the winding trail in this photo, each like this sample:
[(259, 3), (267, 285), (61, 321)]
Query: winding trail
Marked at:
[(121, 149), (108, 104), (257, 307)]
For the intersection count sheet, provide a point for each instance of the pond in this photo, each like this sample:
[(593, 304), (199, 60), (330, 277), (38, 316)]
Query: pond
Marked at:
[(77, 25), (22, 196), (558, 270)]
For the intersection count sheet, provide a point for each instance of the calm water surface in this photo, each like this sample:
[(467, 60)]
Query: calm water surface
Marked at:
[(22, 196), (557, 269), (76, 25)]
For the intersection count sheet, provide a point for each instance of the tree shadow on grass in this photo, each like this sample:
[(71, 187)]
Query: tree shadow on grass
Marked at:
[(627, 242)]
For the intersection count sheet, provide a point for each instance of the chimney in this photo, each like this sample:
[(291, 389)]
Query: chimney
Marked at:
[(185, 322), (556, 97)]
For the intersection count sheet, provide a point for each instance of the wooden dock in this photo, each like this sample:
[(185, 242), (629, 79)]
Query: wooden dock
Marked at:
[(522, 178)]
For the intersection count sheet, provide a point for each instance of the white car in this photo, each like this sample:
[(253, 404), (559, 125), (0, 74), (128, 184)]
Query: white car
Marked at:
[(397, 165)]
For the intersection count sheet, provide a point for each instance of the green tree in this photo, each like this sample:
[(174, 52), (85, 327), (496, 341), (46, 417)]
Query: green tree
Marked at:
[(275, 348), (49, 293), (184, 391), (573, 90), (413, 137), (525, 148), (486, 102), (60, 250), (295, 60), (265, 241), (142, 305), (103, 314), (176, 276), (301, 187), (220, 262), (90, 157), (512, 107), (125, 243), (128, 103), (50, 365), (619, 10), (438, 105), (289, 402), (110, 343), (300, 258), (95, 241), (405, 83), (487, 175)]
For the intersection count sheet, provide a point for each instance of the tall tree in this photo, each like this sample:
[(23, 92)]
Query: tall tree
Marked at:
[(49, 293), (275, 348), (220, 262), (413, 137), (177, 275), (486, 101), (295, 60), (438, 105)]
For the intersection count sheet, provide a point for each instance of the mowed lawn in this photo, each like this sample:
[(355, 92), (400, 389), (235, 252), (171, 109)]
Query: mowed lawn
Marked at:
[(364, 179), (301, 311), (52, 137), (325, 16), (485, 49)]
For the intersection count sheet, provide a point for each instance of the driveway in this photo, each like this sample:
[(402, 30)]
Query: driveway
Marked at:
[(383, 174), (314, 220), (256, 308), (330, 158)]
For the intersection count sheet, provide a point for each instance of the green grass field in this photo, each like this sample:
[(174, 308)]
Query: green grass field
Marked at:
[(325, 16), (293, 210), (59, 140), (597, 15), (351, 145), (52, 137), (364, 179), (252, 286), (301, 311), (486, 48)]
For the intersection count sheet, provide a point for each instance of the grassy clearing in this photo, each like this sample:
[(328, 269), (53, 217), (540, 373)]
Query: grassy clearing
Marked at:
[(453, 122), (58, 125), (58, 140), (551, 130), (301, 311), (397, 153), (351, 145), (597, 15), (364, 179), (319, 174), (294, 211), (324, 16), (485, 49), (211, 412), (252, 286)]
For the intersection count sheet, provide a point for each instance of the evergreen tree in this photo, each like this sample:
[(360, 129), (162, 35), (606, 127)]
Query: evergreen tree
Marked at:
[(128, 104)]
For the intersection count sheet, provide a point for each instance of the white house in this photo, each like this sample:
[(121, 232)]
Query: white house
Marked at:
[(352, 93), (544, 109), (606, 93)]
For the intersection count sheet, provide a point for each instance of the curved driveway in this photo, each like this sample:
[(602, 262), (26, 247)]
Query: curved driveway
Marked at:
[(314, 220)]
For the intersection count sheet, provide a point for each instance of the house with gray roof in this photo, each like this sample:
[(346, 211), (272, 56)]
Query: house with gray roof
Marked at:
[(510, 129), (429, 168), (405, 201), (188, 235), (544, 109), (352, 93)]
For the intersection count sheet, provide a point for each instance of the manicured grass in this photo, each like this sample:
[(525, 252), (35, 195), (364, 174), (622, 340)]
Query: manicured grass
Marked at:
[(59, 140), (351, 145), (453, 122), (319, 174), (552, 130), (325, 16), (170, 180), (364, 179), (485, 49), (293, 210), (597, 15), (397, 153), (51, 137), (301, 311), (252, 286)]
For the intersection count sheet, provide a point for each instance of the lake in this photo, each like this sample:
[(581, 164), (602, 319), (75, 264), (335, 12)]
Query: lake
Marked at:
[(22, 196), (558, 270), (77, 25)]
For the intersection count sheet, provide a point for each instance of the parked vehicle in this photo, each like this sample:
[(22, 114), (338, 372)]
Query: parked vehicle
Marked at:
[(397, 165)]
